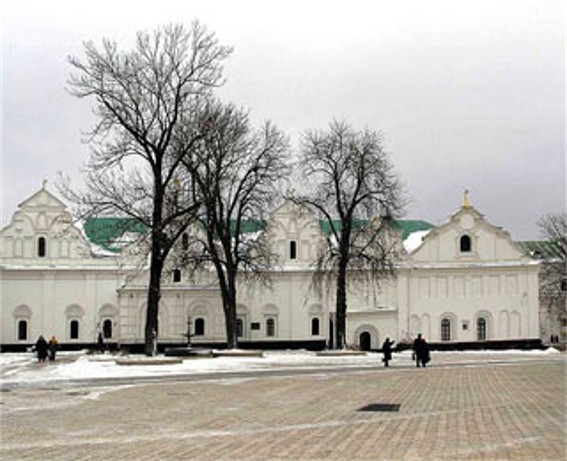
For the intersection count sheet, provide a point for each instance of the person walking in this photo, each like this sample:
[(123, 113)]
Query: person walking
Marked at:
[(421, 351), (41, 349), (52, 348), (100, 343), (387, 351)]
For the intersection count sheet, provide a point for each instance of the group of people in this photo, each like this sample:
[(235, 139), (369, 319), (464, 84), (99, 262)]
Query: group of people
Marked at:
[(46, 349), (420, 351)]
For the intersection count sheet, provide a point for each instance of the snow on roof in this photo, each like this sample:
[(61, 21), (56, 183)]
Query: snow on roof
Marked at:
[(414, 240)]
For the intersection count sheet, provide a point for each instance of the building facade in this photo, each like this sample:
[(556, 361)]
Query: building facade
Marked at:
[(464, 282)]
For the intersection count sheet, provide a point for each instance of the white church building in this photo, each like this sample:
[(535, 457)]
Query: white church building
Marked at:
[(461, 283)]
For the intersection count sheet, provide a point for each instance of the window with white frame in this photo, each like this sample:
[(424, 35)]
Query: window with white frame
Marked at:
[(465, 244), (199, 327), (22, 330), (315, 326), (292, 249), (481, 329), (270, 327), (42, 247), (107, 328), (74, 329), (446, 329)]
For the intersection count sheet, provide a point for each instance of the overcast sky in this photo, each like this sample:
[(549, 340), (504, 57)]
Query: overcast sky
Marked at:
[(466, 94)]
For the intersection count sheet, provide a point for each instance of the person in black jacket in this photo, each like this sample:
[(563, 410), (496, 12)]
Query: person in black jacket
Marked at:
[(41, 349), (421, 351), (387, 351)]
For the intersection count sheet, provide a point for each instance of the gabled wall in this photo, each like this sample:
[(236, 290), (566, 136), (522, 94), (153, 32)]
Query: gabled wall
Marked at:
[(493, 281)]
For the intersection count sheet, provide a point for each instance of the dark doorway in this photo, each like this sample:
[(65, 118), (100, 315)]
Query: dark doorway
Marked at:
[(331, 334), (365, 341)]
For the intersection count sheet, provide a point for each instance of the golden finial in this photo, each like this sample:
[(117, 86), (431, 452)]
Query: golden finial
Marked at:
[(466, 203)]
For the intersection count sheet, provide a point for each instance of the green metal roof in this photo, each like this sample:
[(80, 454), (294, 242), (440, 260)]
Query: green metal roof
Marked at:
[(107, 232), (248, 226), (540, 249), (407, 226), (326, 225)]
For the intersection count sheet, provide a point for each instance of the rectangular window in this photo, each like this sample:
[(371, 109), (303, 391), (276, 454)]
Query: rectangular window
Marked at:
[(74, 327), (270, 327), (315, 327), (22, 330), (41, 247), (293, 249)]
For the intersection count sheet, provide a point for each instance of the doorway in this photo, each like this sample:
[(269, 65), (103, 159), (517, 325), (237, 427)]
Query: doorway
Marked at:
[(365, 341)]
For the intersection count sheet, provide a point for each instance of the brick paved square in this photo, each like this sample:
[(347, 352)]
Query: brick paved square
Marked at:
[(504, 411)]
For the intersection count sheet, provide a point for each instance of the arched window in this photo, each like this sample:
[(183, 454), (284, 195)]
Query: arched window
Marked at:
[(185, 242), (270, 327), (481, 329), (177, 275), (315, 326), (466, 244), (293, 249), (239, 328), (107, 328), (22, 330), (74, 329), (41, 247), (445, 330), (199, 327)]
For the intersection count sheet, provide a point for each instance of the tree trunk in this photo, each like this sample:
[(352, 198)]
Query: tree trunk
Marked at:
[(227, 284), (156, 268), (341, 307), (151, 332), (230, 314)]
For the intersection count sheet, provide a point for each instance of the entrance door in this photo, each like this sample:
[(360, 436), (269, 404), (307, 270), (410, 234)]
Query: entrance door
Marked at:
[(365, 340)]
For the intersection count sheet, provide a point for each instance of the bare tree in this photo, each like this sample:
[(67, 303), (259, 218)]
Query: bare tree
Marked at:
[(357, 194), (147, 101), (236, 170), (553, 254)]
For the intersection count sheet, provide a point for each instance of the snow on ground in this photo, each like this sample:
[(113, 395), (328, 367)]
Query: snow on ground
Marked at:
[(23, 368)]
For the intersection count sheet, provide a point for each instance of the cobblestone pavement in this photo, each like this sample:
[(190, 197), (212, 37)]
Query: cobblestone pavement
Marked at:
[(484, 411)]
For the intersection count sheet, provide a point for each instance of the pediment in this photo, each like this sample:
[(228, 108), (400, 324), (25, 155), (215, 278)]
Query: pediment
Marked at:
[(42, 199), (293, 218), (488, 242)]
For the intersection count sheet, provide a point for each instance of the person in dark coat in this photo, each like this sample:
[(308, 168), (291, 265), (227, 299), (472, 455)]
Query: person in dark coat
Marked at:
[(100, 343), (387, 351), (53, 345), (41, 349), (421, 351)]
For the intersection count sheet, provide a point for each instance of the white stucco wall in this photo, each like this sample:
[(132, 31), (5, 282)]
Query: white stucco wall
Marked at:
[(436, 280)]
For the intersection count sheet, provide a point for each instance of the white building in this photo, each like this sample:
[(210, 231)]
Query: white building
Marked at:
[(464, 281)]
